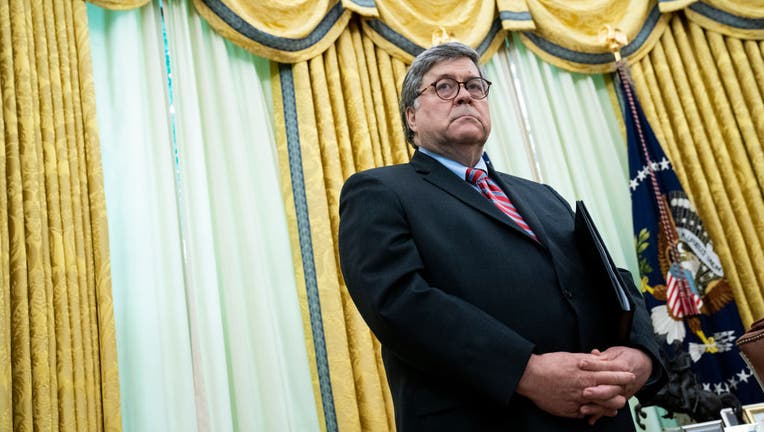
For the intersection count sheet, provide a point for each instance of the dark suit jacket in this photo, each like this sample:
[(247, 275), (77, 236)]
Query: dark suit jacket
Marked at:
[(460, 297)]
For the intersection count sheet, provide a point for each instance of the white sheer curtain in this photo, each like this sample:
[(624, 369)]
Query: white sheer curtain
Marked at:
[(559, 128), (153, 346), (210, 335)]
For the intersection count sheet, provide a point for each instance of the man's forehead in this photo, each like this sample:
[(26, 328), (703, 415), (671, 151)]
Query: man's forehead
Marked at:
[(461, 65)]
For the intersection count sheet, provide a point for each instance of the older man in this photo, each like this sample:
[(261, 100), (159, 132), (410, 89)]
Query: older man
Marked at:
[(471, 279)]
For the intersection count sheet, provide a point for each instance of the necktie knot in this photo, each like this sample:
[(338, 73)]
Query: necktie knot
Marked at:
[(476, 175)]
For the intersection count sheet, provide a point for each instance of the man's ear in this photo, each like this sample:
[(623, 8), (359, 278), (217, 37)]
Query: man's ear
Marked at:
[(411, 118)]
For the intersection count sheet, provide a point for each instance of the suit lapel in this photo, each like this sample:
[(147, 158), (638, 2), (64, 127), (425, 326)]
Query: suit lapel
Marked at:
[(433, 172)]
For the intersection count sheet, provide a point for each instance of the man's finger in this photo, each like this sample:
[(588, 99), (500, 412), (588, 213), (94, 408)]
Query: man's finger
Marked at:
[(602, 363), (602, 392), (619, 378)]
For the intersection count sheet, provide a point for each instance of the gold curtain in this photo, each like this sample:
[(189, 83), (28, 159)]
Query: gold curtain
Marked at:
[(337, 114), (737, 18), (702, 93), (58, 362)]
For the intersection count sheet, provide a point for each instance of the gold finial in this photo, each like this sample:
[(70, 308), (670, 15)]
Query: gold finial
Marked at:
[(614, 39), (441, 36)]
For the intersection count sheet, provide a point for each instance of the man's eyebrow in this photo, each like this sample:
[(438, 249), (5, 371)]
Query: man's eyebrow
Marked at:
[(452, 76), (444, 75)]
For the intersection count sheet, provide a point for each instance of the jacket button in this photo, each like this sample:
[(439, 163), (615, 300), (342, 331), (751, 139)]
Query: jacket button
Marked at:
[(567, 293)]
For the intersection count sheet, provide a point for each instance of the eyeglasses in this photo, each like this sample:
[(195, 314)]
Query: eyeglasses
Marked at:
[(448, 88)]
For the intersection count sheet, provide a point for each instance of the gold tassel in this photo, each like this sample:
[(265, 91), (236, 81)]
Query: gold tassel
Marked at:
[(441, 36), (614, 39)]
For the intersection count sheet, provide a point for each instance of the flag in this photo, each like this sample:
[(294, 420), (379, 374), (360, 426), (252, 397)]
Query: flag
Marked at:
[(690, 302)]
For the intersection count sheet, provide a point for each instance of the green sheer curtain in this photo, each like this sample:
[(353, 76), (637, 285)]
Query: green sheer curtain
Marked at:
[(209, 328)]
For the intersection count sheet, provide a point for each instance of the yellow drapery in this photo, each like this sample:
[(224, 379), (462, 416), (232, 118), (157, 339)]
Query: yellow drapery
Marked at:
[(701, 96), (286, 31), (737, 18), (571, 38), (566, 34), (58, 361), (404, 28), (291, 31), (337, 114)]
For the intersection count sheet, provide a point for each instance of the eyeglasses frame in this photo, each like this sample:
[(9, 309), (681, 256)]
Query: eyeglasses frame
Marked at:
[(459, 84)]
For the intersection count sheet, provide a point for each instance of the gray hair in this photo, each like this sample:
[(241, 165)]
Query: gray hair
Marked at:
[(421, 65)]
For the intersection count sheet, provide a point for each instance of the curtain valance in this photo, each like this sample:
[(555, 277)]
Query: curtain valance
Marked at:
[(286, 31), (291, 31), (404, 29), (571, 35), (742, 19)]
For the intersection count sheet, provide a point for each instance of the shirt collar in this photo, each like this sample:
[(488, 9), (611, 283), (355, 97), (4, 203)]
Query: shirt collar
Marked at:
[(455, 167)]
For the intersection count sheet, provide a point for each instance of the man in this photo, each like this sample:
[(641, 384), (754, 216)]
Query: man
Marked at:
[(487, 316)]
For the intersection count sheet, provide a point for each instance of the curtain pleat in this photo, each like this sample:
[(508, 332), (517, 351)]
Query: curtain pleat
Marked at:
[(347, 120), (702, 99), (59, 361), (748, 116), (103, 354)]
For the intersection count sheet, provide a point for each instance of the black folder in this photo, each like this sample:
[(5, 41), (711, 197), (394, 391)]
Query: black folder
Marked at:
[(605, 273)]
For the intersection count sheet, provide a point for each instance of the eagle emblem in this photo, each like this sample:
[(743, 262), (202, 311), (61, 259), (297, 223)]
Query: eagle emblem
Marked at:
[(698, 265)]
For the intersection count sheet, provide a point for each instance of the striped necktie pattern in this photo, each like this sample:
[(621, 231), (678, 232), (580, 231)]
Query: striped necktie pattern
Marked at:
[(493, 192)]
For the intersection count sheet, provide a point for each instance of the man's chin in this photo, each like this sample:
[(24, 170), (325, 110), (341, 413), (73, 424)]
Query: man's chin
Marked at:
[(469, 139), (469, 134)]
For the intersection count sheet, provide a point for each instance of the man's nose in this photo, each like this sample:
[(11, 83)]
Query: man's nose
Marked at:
[(462, 96)]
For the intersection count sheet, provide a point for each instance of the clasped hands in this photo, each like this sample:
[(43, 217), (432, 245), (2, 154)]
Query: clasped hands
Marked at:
[(579, 385)]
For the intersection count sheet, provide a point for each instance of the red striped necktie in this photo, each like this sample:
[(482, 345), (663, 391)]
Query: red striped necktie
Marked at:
[(493, 192)]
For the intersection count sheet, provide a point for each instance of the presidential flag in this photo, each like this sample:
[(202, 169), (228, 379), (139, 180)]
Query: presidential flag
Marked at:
[(682, 279)]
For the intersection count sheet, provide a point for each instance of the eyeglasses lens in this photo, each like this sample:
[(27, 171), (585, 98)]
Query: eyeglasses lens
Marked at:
[(448, 88)]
